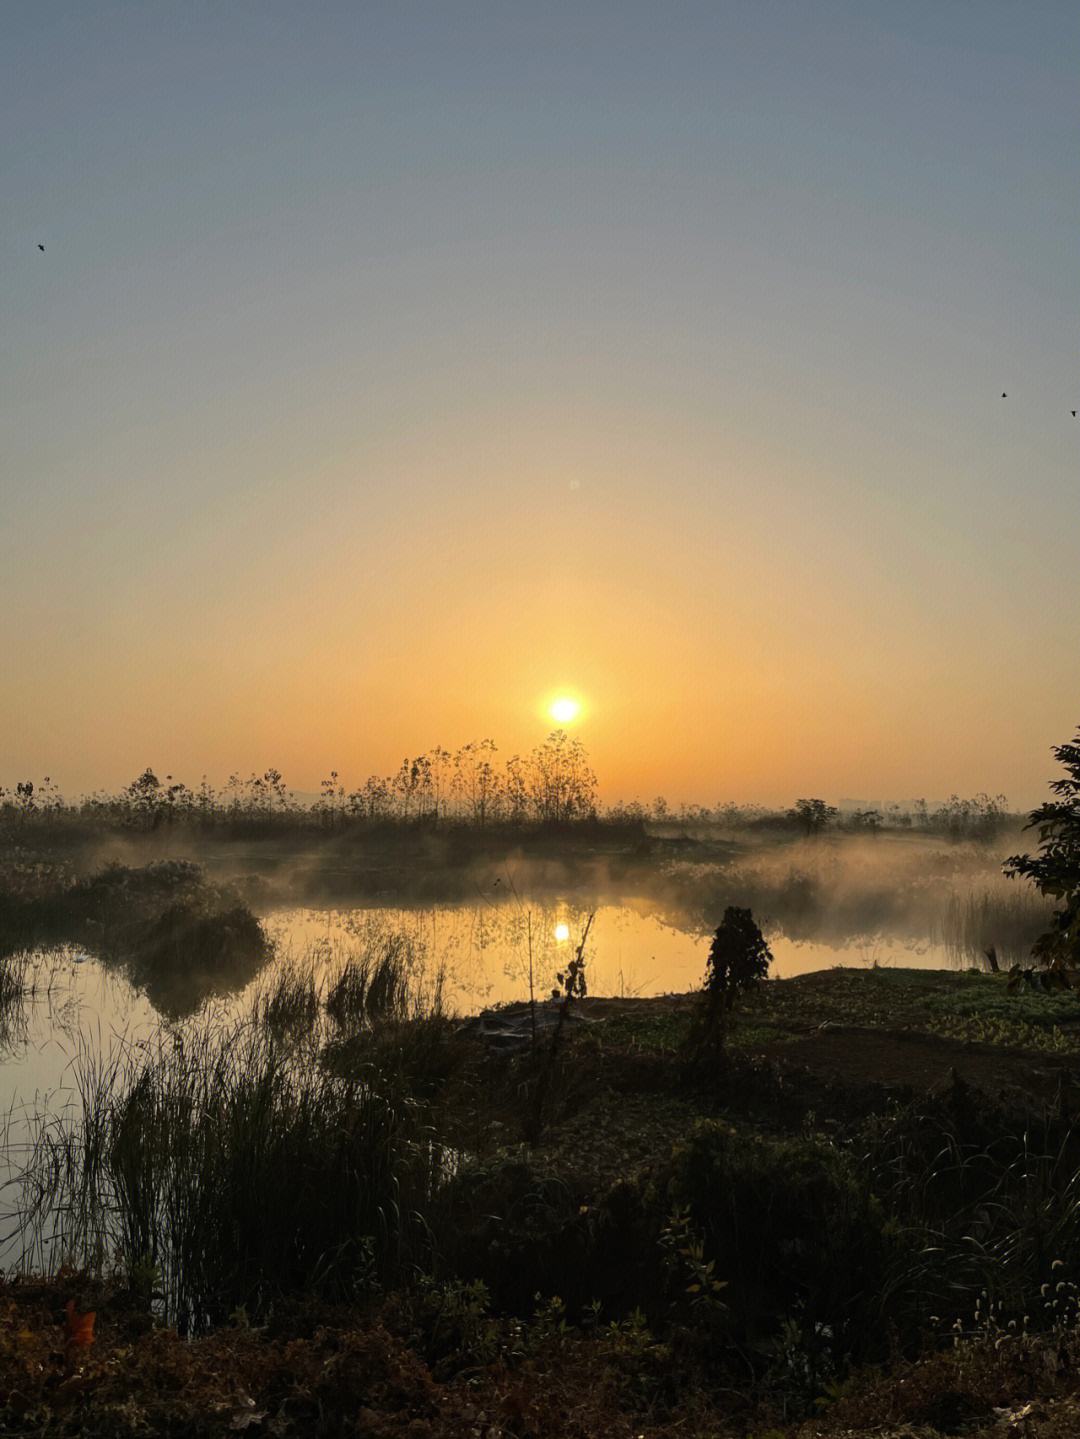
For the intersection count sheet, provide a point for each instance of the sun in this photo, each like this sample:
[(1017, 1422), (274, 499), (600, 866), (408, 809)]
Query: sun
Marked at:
[(564, 710), (562, 933)]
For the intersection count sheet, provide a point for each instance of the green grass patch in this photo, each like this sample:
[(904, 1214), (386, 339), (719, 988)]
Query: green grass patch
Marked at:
[(652, 1032), (1005, 1033), (965, 1005), (991, 1000)]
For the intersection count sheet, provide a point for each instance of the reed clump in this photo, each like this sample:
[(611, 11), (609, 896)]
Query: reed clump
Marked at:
[(291, 1003), (12, 981), (380, 983), (1003, 917), (235, 1168), (14, 985)]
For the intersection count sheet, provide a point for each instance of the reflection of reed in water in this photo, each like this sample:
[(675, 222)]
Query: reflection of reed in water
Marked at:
[(13, 1023), (36, 980), (1007, 918)]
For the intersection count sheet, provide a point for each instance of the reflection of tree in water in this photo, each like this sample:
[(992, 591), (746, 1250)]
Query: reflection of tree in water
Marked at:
[(176, 936), (187, 958), (519, 929)]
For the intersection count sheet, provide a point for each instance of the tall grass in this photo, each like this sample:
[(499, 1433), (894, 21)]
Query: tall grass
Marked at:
[(1007, 917), (290, 1003), (235, 1167), (991, 1197), (13, 982), (384, 981)]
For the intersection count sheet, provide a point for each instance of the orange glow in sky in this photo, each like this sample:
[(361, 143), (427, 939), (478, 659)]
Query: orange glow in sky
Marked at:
[(381, 375)]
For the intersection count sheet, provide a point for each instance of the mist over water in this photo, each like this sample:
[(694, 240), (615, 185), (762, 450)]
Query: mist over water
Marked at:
[(488, 930), (894, 899)]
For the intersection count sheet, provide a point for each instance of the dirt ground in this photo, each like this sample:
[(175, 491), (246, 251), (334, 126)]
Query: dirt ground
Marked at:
[(921, 1061), (864, 1027)]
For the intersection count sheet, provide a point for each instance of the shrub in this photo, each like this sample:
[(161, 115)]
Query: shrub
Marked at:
[(179, 936), (524, 1231), (738, 959), (191, 951), (1055, 870), (989, 1191), (792, 1228)]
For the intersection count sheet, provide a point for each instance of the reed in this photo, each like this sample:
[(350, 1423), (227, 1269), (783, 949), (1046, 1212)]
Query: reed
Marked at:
[(234, 1167), (383, 981), (1005, 917), (290, 1003), (13, 981)]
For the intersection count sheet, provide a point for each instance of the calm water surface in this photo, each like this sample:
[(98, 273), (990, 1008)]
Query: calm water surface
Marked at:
[(79, 1014), (78, 1007)]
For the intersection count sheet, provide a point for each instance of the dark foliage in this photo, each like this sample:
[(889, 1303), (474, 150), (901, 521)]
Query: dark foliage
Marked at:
[(812, 815), (179, 936), (1055, 870), (739, 959)]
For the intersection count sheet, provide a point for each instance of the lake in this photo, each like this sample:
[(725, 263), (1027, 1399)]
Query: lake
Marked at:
[(78, 1014), (77, 1006)]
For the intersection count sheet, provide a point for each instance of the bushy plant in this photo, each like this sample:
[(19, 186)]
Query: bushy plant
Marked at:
[(518, 1227), (794, 1231), (812, 815), (739, 959), (1055, 870)]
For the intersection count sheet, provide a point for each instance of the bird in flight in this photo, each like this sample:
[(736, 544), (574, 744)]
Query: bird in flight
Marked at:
[(1004, 396), (42, 248)]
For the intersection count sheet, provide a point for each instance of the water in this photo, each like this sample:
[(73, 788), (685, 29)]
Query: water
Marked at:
[(77, 1007), (634, 947), (78, 1013)]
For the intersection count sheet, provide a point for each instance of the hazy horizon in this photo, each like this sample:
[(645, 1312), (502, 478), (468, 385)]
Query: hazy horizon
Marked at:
[(390, 370), (353, 782)]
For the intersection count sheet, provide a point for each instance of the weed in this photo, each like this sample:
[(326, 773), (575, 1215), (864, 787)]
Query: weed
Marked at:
[(572, 985)]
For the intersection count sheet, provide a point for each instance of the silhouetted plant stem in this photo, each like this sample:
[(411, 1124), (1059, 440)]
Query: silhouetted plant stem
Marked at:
[(571, 985), (532, 986)]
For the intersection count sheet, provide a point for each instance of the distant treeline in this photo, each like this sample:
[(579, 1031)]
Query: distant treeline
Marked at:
[(553, 785)]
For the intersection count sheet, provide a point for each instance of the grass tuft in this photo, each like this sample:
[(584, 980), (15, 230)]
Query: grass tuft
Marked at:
[(236, 1168)]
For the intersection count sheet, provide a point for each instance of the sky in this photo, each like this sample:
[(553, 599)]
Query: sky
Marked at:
[(393, 367)]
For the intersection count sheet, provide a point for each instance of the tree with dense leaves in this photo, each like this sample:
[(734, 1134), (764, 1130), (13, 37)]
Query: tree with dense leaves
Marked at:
[(561, 785), (1055, 870), (813, 815)]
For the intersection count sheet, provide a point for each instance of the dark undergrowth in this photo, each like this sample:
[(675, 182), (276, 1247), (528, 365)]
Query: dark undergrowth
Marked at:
[(436, 1364)]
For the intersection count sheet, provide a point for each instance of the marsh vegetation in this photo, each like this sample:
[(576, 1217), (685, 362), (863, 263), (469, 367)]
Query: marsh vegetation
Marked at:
[(167, 880), (719, 1211), (627, 1229)]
